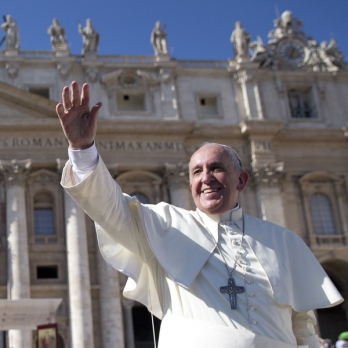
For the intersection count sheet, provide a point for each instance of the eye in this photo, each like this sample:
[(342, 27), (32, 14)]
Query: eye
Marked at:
[(218, 169), (196, 172)]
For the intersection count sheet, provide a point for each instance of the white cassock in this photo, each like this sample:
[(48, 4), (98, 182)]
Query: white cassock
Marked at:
[(176, 271)]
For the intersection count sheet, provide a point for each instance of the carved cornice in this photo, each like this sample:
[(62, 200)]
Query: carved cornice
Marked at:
[(15, 171)]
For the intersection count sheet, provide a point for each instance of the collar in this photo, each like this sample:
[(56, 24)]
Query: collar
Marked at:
[(211, 221)]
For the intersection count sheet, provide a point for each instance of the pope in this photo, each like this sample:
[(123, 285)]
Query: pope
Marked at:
[(216, 276)]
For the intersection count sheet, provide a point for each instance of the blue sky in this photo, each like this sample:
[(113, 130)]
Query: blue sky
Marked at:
[(197, 29)]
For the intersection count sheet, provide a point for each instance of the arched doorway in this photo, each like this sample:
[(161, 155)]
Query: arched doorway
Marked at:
[(332, 321)]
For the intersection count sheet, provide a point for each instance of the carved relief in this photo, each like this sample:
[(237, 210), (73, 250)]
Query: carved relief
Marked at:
[(64, 70), (12, 70), (92, 74)]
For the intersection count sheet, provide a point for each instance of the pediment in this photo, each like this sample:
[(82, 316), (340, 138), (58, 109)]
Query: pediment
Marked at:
[(16, 103), (318, 177), (44, 176)]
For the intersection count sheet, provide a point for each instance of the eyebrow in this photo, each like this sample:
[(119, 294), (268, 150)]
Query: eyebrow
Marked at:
[(210, 165)]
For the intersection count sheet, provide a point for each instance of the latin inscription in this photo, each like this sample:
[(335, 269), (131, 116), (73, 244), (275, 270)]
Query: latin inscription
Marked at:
[(102, 145)]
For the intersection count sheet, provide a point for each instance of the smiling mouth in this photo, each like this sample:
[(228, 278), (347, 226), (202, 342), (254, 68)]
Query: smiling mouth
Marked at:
[(210, 190)]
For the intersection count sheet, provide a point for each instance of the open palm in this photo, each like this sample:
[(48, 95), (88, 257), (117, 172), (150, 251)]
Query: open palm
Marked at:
[(78, 121)]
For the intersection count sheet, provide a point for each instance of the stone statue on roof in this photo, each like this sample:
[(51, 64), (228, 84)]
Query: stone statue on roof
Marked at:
[(159, 39), (331, 56), (284, 26), (90, 38), (12, 33), (58, 40), (240, 40)]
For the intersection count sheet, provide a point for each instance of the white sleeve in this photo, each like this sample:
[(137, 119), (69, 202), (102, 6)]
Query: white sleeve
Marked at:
[(303, 327), (83, 162)]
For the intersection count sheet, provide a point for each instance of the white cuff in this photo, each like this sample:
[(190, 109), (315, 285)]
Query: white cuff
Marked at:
[(83, 161)]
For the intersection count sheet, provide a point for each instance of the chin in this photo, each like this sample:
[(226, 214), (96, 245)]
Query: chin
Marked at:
[(211, 209)]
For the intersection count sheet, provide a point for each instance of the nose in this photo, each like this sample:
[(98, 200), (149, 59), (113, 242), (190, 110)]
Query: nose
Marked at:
[(207, 177)]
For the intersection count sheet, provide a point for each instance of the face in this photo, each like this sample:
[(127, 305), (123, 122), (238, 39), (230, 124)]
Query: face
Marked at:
[(215, 183)]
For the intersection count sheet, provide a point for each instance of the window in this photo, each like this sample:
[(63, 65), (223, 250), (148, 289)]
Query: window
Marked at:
[(43, 214), (301, 104), (208, 106), (43, 221), (47, 272), (130, 101), (41, 91), (325, 212), (322, 215)]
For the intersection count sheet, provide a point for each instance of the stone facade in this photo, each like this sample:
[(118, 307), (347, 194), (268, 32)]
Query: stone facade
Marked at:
[(281, 105)]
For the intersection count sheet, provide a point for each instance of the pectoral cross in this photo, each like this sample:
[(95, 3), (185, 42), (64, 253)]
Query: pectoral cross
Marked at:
[(232, 290)]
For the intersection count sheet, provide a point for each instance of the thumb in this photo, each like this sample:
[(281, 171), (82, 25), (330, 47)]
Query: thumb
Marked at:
[(93, 114)]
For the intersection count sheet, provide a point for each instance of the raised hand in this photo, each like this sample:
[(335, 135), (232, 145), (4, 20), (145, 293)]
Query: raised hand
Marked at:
[(79, 123)]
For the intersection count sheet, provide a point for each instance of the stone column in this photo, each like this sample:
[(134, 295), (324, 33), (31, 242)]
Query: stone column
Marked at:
[(15, 173), (81, 324), (250, 91), (128, 321), (178, 182), (110, 305)]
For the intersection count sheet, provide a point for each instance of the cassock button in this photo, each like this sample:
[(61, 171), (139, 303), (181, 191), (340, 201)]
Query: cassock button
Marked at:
[(248, 281), (251, 294), (252, 308), (248, 269), (254, 322)]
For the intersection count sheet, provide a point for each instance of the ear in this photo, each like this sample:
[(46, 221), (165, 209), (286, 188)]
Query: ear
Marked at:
[(243, 179), (190, 186)]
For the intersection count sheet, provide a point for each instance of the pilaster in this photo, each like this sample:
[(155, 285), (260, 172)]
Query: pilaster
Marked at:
[(177, 176), (245, 77), (15, 173), (267, 172), (169, 98)]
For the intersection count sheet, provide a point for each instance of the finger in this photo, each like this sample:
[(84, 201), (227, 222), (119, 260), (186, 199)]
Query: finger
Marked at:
[(60, 110), (85, 94), (75, 94), (93, 114), (66, 98)]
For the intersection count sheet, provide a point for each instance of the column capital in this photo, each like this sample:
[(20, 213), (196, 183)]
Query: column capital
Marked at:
[(244, 76), (269, 175), (15, 171), (177, 174)]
